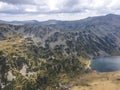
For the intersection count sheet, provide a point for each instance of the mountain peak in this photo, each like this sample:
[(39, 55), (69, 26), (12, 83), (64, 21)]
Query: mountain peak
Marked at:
[(111, 14)]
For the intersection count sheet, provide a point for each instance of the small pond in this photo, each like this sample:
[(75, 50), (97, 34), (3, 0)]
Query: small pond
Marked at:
[(105, 64)]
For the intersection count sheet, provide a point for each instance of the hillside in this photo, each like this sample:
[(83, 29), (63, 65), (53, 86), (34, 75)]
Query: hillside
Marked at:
[(99, 81), (23, 63), (43, 55), (95, 36)]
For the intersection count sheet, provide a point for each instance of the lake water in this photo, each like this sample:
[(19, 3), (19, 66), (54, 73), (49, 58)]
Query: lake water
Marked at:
[(105, 64)]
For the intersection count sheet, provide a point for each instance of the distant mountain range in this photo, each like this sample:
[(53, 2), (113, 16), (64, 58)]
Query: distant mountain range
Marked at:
[(100, 34), (110, 18), (19, 22)]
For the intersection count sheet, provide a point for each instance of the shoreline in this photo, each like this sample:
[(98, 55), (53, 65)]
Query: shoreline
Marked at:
[(89, 63)]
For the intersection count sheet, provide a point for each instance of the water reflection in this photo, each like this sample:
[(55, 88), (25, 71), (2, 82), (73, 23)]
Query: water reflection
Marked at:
[(105, 64)]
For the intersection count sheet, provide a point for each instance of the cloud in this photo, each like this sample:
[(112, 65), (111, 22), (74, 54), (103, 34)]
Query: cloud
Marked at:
[(54, 8), (18, 1)]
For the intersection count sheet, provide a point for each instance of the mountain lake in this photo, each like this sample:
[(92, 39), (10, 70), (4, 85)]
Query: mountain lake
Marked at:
[(105, 64)]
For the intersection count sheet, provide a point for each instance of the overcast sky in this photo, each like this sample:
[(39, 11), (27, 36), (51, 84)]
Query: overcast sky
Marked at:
[(56, 9)]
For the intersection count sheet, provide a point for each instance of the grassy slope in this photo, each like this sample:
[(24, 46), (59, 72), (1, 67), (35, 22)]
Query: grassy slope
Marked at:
[(90, 81), (12, 44), (15, 44), (98, 81)]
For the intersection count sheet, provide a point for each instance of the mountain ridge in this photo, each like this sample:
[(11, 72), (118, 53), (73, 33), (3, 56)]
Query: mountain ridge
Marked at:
[(96, 30), (47, 22)]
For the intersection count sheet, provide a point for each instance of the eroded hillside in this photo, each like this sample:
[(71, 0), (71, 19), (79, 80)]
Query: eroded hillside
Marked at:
[(28, 66)]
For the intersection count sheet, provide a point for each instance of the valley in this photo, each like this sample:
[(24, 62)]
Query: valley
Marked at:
[(54, 54)]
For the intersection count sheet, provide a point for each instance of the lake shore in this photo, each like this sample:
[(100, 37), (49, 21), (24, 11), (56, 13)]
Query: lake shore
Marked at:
[(95, 80), (89, 64), (98, 81)]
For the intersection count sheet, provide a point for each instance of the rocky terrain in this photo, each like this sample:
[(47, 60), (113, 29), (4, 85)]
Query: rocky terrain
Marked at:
[(39, 55)]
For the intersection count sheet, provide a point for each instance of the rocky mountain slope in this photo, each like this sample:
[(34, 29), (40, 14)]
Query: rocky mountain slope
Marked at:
[(41, 55), (92, 36)]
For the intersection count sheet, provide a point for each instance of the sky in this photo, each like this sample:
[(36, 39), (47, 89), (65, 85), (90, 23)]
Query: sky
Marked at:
[(56, 9)]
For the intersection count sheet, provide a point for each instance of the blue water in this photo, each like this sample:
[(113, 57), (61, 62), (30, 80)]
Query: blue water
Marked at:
[(105, 64)]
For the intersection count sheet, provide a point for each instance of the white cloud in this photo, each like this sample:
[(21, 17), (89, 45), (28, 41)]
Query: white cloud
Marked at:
[(56, 9), (52, 4), (7, 7), (18, 1), (97, 4), (30, 8)]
